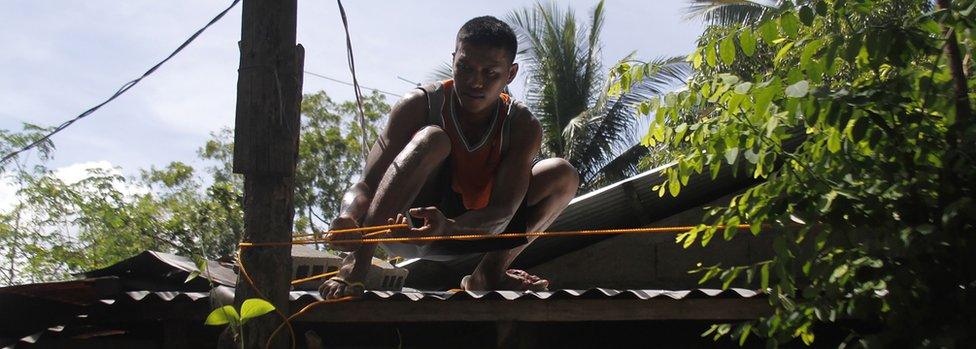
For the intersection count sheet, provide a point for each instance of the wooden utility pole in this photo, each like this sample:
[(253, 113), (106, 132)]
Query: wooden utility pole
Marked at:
[(269, 93)]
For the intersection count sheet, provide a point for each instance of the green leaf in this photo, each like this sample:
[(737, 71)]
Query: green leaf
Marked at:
[(743, 88), (789, 24), (747, 41), (839, 272), (783, 53), (674, 187), (710, 56), (254, 307), (223, 315), (833, 142), (799, 89), (859, 129), (821, 8), (809, 50), (769, 32), (696, 59), (764, 276), (751, 156), (731, 154), (762, 98), (806, 15), (193, 275), (726, 50), (807, 338), (746, 329)]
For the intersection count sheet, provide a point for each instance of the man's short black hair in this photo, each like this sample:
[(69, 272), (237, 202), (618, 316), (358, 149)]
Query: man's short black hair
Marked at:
[(491, 32)]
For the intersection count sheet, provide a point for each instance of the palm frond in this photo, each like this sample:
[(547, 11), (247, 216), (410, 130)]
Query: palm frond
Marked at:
[(560, 66), (729, 12), (443, 71), (621, 167), (613, 126)]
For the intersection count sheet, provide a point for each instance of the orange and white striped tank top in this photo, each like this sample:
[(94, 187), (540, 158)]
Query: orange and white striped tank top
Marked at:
[(473, 163)]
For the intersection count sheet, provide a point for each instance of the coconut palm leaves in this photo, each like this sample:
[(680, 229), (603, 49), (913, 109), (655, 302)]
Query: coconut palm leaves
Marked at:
[(730, 12), (567, 91)]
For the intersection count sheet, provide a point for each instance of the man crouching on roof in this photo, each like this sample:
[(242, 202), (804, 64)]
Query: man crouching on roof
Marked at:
[(458, 156)]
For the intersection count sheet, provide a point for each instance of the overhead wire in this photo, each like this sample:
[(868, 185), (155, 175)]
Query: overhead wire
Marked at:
[(351, 84), (125, 87), (355, 81)]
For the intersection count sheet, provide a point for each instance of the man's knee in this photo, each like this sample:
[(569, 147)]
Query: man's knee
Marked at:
[(558, 170), (431, 141)]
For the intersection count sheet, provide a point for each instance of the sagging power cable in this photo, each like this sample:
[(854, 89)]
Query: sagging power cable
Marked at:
[(125, 87), (355, 82), (351, 84)]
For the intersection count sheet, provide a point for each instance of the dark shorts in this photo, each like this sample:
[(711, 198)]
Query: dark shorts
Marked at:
[(439, 194)]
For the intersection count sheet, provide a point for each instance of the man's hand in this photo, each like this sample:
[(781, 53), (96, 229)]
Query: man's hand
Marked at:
[(435, 224), (344, 222)]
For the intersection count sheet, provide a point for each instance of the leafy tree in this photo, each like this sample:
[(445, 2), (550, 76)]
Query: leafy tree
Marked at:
[(56, 228), (330, 153), (860, 125)]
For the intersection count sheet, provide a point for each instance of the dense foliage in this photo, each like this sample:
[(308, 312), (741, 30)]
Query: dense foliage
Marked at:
[(846, 110), (56, 228)]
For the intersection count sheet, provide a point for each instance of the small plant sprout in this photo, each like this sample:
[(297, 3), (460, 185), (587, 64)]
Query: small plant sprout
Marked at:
[(227, 315)]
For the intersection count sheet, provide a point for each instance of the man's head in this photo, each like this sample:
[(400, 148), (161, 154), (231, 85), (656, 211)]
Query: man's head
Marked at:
[(484, 58)]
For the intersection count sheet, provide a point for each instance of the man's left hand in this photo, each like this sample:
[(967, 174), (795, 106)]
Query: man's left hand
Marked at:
[(435, 223)]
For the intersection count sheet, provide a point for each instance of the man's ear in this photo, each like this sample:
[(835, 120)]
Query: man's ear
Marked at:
[(512, 72)]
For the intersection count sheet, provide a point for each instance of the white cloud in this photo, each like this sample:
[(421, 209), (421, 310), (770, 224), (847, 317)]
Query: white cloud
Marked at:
[(8, 193), (75, 172)]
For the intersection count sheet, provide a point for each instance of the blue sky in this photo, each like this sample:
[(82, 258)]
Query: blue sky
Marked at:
[(61, 57)]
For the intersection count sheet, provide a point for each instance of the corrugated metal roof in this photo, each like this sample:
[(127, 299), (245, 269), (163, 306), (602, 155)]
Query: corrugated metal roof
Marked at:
[(593, 293), (629, 203), (597, 304)]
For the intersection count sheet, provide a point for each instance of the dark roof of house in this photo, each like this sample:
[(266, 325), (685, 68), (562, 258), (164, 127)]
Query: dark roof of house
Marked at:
[(152, 286), (145, 288), (630, 203), (84, 306)]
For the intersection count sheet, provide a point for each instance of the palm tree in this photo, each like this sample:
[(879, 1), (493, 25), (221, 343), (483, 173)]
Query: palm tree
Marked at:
[(566, 90), (731, 12)]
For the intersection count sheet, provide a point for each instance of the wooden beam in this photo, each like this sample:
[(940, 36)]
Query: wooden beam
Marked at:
[(558, 310)]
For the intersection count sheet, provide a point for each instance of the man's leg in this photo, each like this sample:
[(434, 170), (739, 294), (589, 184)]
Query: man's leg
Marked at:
[(398, 188), (553, 185)]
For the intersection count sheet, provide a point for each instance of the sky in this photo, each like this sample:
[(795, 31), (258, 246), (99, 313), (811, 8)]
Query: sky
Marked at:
[(61, 57)]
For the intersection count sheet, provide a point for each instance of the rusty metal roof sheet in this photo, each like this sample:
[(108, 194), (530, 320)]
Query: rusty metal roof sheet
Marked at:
[(415, 295)]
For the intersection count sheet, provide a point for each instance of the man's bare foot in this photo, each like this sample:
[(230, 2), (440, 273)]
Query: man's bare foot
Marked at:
[(338, 287), (513, 279), (344, 222)]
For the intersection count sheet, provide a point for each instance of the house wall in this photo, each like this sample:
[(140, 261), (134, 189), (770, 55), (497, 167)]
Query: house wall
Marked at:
[(653, 261)]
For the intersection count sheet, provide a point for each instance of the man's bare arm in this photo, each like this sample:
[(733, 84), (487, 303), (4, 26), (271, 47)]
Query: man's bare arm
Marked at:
[(406, 117), (511, 181)]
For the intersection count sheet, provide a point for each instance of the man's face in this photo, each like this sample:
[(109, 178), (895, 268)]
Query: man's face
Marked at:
[(480, 74)]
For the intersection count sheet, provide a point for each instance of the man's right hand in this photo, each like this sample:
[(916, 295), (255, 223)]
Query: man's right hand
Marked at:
[(344, 222)]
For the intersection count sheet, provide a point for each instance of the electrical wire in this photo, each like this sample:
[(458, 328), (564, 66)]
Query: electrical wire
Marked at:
[(351, 84), (125, 87)]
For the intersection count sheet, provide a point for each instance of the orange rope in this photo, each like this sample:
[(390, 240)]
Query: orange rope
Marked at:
[(310, 278), (305, 309), (247, 277), (384, 229), (367, 240), (355, 230)]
